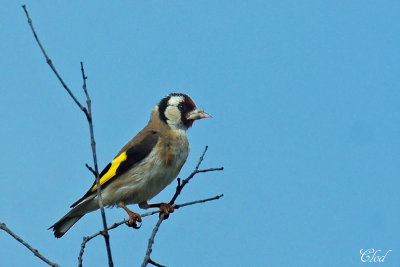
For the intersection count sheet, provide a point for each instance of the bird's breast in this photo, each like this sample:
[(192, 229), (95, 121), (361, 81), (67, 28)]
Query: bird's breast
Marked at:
[(167, 160), (173, 151)]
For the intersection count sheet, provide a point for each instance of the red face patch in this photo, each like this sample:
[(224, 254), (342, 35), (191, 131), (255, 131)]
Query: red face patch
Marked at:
[(189, 101)]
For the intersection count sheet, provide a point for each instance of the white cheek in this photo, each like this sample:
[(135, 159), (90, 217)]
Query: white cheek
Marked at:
[(173, 115)]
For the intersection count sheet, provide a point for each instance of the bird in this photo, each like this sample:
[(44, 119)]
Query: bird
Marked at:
[(144, 166)]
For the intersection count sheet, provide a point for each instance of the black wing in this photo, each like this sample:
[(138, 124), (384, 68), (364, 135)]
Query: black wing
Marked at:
[(124, 161)]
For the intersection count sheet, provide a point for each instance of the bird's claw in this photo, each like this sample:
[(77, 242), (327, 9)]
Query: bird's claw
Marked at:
[(133, 219), (166, 209)]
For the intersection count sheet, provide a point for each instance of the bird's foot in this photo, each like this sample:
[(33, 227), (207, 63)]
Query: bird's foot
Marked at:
[(166, 209), (134, 218)]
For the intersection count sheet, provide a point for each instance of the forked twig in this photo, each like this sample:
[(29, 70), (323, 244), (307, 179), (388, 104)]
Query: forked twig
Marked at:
[(180, 186)]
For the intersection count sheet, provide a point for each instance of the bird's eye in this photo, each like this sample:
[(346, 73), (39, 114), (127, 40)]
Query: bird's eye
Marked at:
[(181, 107)]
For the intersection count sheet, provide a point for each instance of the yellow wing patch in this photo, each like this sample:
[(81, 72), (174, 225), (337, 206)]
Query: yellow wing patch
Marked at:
[(112, 171)]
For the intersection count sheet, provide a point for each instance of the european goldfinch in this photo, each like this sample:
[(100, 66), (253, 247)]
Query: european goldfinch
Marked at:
[(144, 166)]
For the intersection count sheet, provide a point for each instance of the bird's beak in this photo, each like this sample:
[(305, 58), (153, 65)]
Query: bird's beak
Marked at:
[(197, 114)]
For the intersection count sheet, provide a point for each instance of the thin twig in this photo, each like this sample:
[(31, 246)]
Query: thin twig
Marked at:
[(179, 188), (88, 113), (178, 206), (210, 170), (155, 263), (151, 240), (80, 259), (48, 60), (34, 251), (91, 170)]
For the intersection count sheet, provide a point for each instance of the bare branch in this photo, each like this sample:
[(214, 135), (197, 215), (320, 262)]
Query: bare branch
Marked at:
[(48, 60), (96, 168), (115, 225), (80, 259), (201, 158), (151, 240), (34, 251), (179, 188), (210, 170), (91, 170), (177, 206), (88, 100), (155, 263), (88, 113)]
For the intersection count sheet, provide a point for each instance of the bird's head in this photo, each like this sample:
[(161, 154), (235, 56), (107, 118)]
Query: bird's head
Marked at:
[(179, 111)]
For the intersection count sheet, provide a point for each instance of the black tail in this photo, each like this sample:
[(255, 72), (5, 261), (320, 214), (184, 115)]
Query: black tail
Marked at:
[(66, 222), (63, 225)]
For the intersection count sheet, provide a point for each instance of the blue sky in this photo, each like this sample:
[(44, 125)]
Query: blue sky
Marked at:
[(305, 103)]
